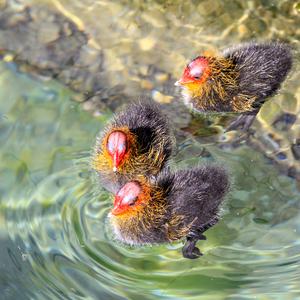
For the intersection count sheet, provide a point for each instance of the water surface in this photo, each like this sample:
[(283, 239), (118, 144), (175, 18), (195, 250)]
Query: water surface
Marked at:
[(54, 239)]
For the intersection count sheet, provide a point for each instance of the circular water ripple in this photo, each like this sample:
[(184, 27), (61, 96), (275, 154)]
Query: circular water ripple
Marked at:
[(62, 234)]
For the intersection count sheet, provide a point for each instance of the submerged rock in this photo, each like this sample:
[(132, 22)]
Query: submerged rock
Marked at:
[(43, 39), (45, 43)]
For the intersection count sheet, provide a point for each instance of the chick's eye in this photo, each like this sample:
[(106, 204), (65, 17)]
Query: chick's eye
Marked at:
[(196, 72), (132, 201)]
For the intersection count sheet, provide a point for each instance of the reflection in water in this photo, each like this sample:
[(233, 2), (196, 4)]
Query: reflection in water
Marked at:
[(54, 239)]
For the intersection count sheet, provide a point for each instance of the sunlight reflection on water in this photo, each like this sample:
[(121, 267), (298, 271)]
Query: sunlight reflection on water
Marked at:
[(55, 242)]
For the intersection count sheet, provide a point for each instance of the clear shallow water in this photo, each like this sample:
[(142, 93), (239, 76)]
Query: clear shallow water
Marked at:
[(54, 241)]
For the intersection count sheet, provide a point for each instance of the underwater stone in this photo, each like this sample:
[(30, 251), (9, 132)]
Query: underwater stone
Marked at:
[(269, 112), (49, 44), (48, 33), (147, 43), (296, 149), (161, 98)]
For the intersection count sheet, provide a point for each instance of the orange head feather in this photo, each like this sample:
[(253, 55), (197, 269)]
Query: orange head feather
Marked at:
[(195, 73)]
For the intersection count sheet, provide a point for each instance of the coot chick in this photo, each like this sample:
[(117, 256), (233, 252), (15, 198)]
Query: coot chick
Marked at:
[(138, 142), (177, 205), (239, 80)]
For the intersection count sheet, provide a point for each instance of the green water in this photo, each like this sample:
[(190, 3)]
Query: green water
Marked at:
[(54, 239)]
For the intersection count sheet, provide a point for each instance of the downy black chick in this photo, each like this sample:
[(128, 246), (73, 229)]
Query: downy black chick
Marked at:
[(177, 205), (138, 142), (240, 79)]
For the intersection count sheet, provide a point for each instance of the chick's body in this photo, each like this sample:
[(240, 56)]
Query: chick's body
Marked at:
[(178, 205), (149, 143), (261, 68)]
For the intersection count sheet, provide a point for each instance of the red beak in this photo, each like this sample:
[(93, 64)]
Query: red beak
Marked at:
[(116, 161), (183, 81), (117, 209), (185, 78)]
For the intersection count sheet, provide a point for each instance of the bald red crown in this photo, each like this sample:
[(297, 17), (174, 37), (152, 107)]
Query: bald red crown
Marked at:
[(116, 148), (194, 71), (126, 197)]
